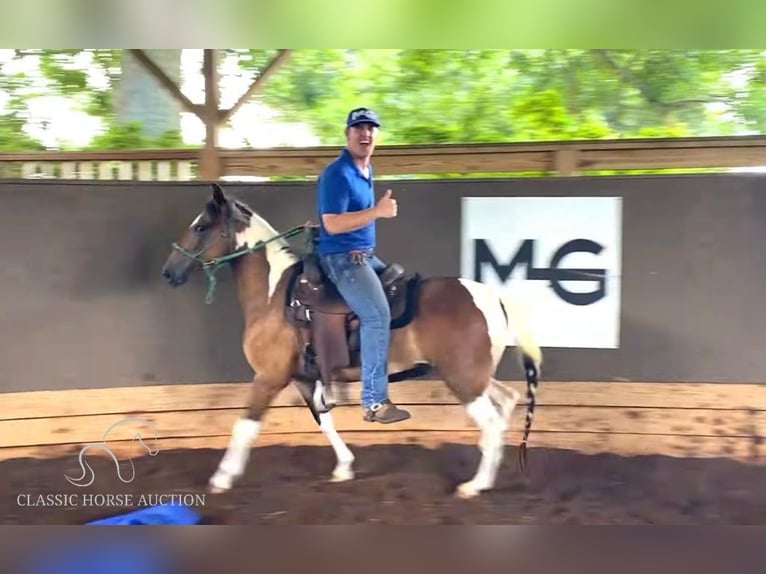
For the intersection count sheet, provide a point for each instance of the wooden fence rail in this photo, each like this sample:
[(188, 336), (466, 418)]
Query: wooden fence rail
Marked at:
[(628, 418), (543, 158)]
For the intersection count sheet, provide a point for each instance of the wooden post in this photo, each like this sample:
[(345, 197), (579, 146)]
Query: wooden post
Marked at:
[(565, 162), (209, 113), (210, 165)]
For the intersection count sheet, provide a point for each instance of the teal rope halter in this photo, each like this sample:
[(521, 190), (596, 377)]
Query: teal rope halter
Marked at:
[(211, 266)]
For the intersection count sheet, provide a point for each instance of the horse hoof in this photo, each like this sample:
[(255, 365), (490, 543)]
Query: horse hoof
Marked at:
[(219, 484), (342, 475), (466, 491)]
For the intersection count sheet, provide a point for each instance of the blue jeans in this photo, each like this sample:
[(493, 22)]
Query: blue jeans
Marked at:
[(360, 286)]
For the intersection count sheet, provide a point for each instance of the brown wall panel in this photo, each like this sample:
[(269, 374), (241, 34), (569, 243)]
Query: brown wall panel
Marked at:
[(84, 305)]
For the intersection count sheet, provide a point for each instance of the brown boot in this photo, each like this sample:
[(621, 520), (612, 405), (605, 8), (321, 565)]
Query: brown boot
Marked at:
[(385, 412)]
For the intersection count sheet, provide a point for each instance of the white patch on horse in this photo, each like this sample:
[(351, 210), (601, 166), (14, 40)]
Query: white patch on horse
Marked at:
[(233, 464), (276, 251), (493, 427), (345, 458), (196, 221), (489, 303)]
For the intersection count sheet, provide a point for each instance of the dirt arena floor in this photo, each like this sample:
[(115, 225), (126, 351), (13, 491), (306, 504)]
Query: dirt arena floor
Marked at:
[(408, 484)]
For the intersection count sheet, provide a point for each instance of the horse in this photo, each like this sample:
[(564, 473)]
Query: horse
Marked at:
[(457, 328)]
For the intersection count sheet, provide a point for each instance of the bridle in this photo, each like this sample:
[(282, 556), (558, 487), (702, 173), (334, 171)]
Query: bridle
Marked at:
[(211, 266)]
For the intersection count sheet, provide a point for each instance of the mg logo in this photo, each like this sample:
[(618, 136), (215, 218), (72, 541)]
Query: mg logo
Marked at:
[(564, 253)]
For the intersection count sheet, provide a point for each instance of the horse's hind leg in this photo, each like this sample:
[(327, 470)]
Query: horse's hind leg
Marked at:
[(506, 398), (312, 394), (244, 432), (493, 424)]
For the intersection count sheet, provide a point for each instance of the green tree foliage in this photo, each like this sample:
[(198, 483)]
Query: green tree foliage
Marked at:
[(448, 96), (88, 77), (131, 137), (751, 101), (15, 87)]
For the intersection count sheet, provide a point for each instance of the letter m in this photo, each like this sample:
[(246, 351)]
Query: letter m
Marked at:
[(483, 254)]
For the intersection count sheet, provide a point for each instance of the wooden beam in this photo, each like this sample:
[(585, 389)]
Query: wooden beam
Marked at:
[(659, 158), (425, 417), (166, 82), (210, 164), (575, 158), (572, 158), (278, 61), (678, 419), (133, 155), (720, 397)]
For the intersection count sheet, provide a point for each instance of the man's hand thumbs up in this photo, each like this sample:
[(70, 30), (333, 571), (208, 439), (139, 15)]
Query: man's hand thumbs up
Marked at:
[(387, 207)]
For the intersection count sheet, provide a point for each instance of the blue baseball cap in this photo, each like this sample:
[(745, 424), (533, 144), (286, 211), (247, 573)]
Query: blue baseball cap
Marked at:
[(361, 116)]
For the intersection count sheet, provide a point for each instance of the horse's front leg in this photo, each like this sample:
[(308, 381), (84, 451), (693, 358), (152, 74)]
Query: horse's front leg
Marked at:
[(244, 433), (313, 395)]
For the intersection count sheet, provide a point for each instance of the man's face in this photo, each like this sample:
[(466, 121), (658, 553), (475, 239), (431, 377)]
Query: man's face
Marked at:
[(360, 139)]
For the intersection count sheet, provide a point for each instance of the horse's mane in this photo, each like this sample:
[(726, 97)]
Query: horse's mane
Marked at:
[(247, 214)]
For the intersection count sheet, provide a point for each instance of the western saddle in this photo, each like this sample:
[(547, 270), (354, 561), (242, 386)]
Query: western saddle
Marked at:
[(329, 328)]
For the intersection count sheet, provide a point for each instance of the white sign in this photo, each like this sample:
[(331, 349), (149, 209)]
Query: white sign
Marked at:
[(563, 255)]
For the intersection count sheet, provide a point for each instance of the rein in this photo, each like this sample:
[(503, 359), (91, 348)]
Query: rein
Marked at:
[(211, 266)]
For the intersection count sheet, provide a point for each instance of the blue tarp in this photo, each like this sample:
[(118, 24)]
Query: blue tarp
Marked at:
[(114, 556), (99, 557), (153, 515)]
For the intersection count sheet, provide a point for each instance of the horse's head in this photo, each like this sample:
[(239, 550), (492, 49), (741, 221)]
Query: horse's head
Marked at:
[(210, 236)]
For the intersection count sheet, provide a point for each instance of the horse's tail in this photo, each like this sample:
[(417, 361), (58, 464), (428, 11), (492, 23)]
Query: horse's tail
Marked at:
[(531, 360)]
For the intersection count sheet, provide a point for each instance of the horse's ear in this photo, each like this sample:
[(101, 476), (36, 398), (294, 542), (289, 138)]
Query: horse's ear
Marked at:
[(218, 195)]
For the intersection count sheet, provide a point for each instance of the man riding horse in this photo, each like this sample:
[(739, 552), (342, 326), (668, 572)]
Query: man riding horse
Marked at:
[(375, 319), (346, 249)]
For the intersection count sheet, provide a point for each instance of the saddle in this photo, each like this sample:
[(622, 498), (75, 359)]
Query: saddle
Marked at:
[(328, 327)]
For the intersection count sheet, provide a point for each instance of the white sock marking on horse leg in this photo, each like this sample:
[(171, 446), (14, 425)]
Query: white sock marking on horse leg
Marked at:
[(318, 396), (491, 444), (507, 397), (323, 397), (233, 463), (343, 470)]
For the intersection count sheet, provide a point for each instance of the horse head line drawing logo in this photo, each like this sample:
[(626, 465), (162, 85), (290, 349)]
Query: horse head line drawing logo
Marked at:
[(87, 470)]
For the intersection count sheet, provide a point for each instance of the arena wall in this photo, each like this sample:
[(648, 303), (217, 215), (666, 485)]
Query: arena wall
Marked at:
[(653, 344)]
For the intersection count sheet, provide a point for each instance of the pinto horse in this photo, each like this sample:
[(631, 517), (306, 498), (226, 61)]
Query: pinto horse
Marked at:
[(458, 328)]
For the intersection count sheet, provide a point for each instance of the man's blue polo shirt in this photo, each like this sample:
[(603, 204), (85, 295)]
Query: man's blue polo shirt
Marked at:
[(342, 188)]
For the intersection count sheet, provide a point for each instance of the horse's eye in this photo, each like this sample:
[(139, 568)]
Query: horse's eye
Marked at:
[(199, 228)]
